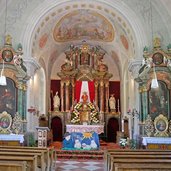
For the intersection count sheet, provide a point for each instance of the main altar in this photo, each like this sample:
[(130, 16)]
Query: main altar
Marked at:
[(84, 93)]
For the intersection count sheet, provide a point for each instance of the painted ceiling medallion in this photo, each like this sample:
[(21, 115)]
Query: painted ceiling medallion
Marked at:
[(83, 24)]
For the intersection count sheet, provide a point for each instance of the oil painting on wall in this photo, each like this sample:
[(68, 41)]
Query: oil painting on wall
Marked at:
[(8, 98), (159, 101)]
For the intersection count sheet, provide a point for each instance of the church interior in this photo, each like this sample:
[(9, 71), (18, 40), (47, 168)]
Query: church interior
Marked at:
[(85, 85)]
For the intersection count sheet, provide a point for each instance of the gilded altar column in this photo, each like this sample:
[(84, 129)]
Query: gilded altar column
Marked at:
[(62, 96), (96, 92), (107, 95), (73, 91), (67, 105), (101, 96)]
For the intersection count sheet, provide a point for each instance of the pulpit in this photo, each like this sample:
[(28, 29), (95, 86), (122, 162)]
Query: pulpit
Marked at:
[(42, 136)]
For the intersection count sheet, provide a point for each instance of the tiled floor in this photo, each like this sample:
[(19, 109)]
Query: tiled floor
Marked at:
[(73, 165)]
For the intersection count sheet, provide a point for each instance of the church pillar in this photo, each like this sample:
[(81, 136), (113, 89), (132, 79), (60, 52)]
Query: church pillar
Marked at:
[(96, 92), (62, 96), (102, 96), (107, 95), (67, 105)]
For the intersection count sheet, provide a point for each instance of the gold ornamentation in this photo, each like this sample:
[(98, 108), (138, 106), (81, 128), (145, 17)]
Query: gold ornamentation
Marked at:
[(17, 124), (161, 126), (156, 42), (5, 123), (149, 126)]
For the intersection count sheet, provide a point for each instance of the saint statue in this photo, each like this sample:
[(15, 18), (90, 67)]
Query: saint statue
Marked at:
[(56, 102), (112, 103), (84, 97)]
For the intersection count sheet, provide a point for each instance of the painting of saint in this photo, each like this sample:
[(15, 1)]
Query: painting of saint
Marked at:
[(8, 98), (159, 100), (161, 125)]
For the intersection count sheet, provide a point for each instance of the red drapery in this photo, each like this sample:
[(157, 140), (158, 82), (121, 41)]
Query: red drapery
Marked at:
[(91, 90)]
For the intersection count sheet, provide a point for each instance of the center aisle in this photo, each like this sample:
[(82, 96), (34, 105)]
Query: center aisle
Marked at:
[(78, 163), (74, 165)]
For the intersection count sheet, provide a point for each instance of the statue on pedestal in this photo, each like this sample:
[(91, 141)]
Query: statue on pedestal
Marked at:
[(56, 102), (112, 103)]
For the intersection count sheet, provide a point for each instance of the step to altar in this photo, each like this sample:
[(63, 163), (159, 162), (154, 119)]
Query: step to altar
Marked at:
[(80, 154)]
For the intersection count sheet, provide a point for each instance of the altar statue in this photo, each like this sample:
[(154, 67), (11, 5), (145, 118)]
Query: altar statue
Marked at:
[(112, 103), (56, 102), (84, 97)]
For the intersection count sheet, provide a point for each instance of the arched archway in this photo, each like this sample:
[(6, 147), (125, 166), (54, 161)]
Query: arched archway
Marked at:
[(56, 126), (112, 128)]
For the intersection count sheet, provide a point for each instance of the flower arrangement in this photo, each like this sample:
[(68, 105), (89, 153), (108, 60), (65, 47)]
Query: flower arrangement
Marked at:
[(75, 115), (94, 116), (123, 142)]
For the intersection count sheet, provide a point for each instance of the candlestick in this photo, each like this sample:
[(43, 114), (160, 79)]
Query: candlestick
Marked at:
[(122, 125)]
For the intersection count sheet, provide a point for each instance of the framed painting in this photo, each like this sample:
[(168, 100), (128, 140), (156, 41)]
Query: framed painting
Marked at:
[(159, 101), (5, 122), (161, 126), (8, 97)]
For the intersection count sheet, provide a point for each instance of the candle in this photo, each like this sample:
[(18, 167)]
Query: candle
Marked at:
[(122, 125)]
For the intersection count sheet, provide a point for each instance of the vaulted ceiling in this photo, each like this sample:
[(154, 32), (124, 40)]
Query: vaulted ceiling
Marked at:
[(46, 28)]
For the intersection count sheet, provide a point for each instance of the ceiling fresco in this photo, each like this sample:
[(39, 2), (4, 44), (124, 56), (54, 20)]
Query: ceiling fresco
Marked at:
[(83, 24)]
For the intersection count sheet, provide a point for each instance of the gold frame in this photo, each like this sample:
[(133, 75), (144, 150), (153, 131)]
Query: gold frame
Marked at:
[(161, 126), (8, 120)]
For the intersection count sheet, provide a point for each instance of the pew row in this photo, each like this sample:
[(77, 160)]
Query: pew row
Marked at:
[(40, 156), (31, 161), (13, 166), (114, 155), (47, 154)]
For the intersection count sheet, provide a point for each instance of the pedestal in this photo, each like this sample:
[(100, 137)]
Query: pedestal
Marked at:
[(42, 136)]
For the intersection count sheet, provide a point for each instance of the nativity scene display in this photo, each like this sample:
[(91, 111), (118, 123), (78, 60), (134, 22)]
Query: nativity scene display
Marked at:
[(81, 141)]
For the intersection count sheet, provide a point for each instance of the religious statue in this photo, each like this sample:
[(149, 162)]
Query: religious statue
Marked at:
[(56, 102), (84, 97), (112, 103), (8, 40)]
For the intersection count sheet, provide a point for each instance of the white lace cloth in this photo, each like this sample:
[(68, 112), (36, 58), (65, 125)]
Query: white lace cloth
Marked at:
[(85, 128), (12, 137), (156, 140)]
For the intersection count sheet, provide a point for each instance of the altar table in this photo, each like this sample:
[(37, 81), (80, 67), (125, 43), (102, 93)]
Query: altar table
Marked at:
[(85, 128), (157, 142), (11, 139)]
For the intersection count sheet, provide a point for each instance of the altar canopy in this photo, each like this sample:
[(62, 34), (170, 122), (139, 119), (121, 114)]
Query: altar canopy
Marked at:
[(84, 86), (81, 141)]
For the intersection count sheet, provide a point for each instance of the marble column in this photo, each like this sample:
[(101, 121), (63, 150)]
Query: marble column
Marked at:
[(101, 96), (107, 95), (62, 96), (96, 92), (20, 99), (73, 92), (67, 100)]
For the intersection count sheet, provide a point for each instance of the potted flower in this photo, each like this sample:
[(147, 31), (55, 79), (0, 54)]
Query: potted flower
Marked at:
[(123, 142)]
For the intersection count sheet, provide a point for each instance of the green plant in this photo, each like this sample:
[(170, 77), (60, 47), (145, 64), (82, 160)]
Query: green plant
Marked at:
[(32, 142)]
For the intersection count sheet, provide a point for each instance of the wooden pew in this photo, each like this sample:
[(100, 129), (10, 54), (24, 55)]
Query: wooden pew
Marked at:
[(30, 160), (13, 166), (111, 153), (48, 153), (141, 164), (13, 152)]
